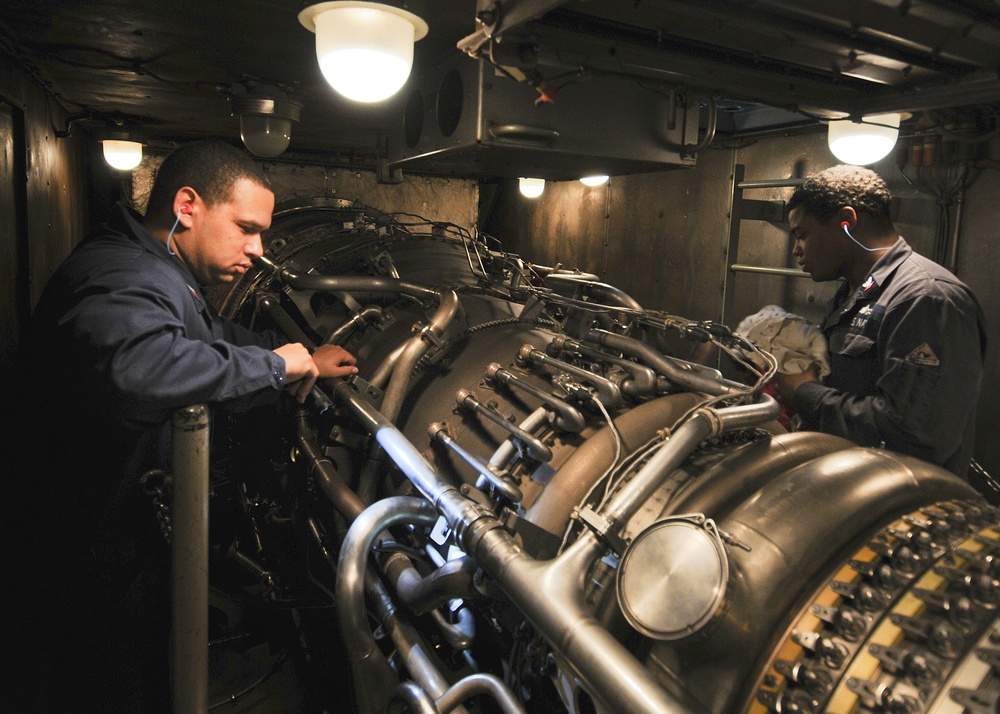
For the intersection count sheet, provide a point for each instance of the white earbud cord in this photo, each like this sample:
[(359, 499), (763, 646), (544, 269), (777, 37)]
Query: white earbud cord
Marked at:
[(171, 234), (844, 226)]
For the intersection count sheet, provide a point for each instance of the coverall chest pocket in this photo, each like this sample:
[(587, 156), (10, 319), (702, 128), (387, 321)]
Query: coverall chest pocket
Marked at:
[(850, 344)]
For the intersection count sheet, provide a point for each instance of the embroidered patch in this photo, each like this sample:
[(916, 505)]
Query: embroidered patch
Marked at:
[(924, 355), (869, 284)]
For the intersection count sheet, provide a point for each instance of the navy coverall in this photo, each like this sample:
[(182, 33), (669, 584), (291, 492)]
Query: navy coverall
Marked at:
[(906, 358), (122, 337)]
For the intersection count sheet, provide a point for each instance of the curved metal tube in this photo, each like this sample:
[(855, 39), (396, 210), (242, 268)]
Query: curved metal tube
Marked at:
[(459, 635), (354, 283), (367, 661), (372, 312), (415, 698), (577, 475), (730, 482), (568, 418), (617, 295), (283, 320), (705, 423), (551, 595), (642, 381), (460, 512), (412, 651), (479, 684), (512, 493), (323, 470), (536, 449), (559, 611), (421, 594), (508, 449), (384, 371), (416, 348), (707, 380), (607, 391)]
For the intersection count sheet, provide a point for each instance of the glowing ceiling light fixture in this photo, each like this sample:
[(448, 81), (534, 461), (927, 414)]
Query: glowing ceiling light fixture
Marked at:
[(266, 117), (122, 149), (594, 180), (531, 187), (365, 49), (863, 142)]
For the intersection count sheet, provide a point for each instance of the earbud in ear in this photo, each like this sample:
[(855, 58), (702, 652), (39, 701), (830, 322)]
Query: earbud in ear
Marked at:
[(185, 209), (846, 225)]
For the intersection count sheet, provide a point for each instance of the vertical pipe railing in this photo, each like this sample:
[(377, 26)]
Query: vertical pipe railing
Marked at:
[(189, 553)]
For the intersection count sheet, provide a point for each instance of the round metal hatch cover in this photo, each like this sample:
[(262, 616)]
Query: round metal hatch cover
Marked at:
[(672, 578)]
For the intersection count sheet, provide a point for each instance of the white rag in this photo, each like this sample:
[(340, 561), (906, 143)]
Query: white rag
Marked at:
[(795, 342)]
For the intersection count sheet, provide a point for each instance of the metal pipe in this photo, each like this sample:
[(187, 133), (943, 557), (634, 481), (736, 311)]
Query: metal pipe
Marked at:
[(771, 183), (609, 669), (421, 594), (384, 371), (372, 312), (607, 391), (705, 423), (709, 381), (642, 381), (577, 475), (508, 449), (617, 295), (405, 360), (416, 348), (475, 684), (787, 272), (459, 511), (189, 554), (458, 635), (354, 283), (367, 662), (439, 432), (325, 473), (568, 418), (415, 698), (273, 309), (551, 595), (535, 448), (414, 653), (957, 230)]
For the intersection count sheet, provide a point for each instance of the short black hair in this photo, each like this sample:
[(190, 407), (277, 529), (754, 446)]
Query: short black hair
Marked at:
[(210, 167), (828, 191)]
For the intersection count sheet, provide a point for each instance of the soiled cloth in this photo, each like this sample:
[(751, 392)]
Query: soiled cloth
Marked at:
[(795, 342)]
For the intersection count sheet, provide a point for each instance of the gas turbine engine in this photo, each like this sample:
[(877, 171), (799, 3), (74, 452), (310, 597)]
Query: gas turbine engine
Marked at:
[(524, 501)]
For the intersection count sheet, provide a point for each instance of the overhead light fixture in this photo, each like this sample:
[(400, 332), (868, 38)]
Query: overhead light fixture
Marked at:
[(863, 142), (594, 180), (266, 115), (122, 149), (531, 187), (365, 49)]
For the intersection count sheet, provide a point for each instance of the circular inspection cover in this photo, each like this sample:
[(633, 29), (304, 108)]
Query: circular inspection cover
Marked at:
[(672, 578)]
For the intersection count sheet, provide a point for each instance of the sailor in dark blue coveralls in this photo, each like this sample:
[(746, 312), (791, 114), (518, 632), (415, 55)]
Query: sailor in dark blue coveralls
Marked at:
[(122, 337), (906, 337)]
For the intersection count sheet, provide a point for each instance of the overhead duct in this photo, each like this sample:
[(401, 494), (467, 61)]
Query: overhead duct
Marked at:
[(468, 118)]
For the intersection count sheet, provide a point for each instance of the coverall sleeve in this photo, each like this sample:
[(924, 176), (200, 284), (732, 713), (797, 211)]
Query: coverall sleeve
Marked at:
[(158, 351), (930, 352)]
